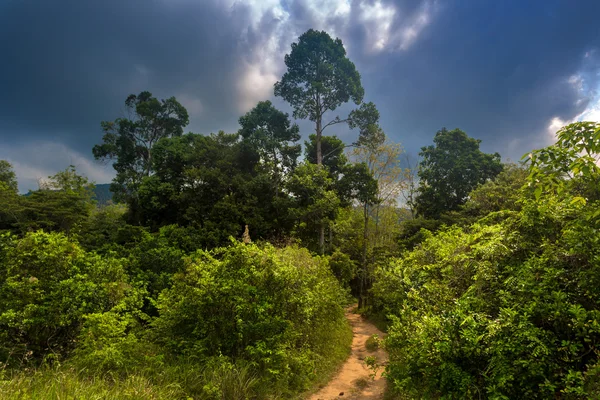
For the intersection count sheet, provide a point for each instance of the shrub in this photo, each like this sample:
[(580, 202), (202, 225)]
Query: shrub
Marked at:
[(372, 343), (276, 309), (502, 311), (343, 267), (47, 285), (152, 263), (109, 342)]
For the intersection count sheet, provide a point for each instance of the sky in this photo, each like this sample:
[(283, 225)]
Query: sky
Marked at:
[(508, 72)]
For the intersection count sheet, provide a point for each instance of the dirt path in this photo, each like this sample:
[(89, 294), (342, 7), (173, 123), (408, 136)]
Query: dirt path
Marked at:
[(353, 378)]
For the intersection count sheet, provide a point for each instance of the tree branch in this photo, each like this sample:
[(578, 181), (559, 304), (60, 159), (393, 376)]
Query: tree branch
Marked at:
[(337, 120)]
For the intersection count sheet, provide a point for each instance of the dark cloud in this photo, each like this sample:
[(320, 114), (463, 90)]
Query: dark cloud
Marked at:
[(499, 70), (73, 62)]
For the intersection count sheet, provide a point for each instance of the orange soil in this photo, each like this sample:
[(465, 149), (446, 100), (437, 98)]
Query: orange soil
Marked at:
[(353, 379)]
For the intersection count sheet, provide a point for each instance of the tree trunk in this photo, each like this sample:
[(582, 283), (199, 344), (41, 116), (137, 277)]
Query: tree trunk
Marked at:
[(376, 235), (320, 162), (319, 135), (322, 239), (149, 160), (363, 275)]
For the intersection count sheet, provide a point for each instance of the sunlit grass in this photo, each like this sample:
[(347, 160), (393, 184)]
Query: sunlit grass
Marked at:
[(71, 384), (178, 380), (337, 349), (183, 381)]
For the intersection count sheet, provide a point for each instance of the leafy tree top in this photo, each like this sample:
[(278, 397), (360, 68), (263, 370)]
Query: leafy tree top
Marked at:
[(7, 176), (69, 181), (571, 163), (333, 147), (270, 133), (319, 77), (450, 169), (129, 141)]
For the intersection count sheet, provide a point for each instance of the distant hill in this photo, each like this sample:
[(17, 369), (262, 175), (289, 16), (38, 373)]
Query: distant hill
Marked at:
[(102, 194)]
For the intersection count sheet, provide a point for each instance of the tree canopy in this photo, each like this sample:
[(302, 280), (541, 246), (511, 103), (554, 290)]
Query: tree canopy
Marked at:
[(450, 169), (270, 133), (319, 78), (7, 176), (128, 142)]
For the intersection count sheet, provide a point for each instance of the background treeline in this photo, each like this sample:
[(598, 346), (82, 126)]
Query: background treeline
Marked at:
[(221, 266)]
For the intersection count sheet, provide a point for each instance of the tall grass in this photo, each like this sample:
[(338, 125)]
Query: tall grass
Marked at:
[(71, 384), (181, 379), (335, 349)]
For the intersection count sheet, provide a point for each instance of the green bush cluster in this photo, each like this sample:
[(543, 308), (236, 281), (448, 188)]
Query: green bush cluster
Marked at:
[(274, 308), (502, 310), (48, 285), (236, 322)]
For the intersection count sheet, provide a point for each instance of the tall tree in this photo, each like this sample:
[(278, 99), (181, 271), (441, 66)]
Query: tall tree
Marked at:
[(69, 181), (351, 181), (381, 159), (63, 202), (315, 201), (333, 158), (129, 141), (450, 169), (7, 176), (269, 133), (366, 119), (319, 78), (9, 198), (217, 185), (409, 192)]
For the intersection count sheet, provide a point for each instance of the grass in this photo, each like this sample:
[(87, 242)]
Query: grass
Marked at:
[(71, 384), (337, 351), (361, 383), (182, 381), (372, 343), (173, 380)]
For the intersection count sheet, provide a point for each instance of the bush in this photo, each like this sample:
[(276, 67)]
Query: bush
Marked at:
[(102, 228), (502, 311), (343, 267), (47, 285), (153, 263), (276, 309), (109, 342)]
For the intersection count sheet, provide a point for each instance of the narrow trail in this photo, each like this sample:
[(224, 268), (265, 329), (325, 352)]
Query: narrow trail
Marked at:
[(353, 380)]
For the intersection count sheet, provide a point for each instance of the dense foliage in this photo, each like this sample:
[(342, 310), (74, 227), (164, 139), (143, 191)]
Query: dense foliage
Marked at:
[(506, 307), (450, 169), (276, 312), (129, 141), (276, 309)]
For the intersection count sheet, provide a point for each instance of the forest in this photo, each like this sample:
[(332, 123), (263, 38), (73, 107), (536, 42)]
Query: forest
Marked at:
[(223, 263)]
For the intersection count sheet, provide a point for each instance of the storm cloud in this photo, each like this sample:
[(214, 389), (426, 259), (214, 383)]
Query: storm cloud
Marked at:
[(506, 72)]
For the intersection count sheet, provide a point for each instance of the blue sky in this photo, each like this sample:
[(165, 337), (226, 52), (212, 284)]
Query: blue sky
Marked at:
[(508, 72)]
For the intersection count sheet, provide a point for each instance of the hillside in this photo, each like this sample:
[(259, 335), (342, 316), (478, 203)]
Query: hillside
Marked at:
[(102, 193)]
